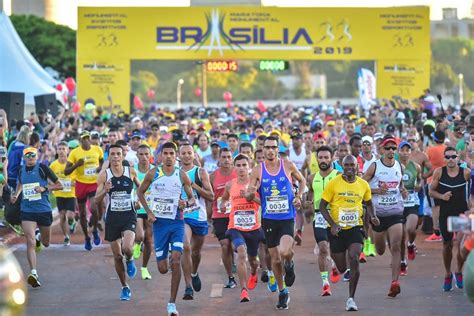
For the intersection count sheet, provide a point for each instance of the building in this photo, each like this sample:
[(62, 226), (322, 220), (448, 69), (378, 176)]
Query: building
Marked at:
[(452, 26)]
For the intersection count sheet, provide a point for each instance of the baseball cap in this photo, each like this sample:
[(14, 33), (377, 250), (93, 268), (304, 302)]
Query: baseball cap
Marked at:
[(136, 134), (331, 123), (438, 136), (215, 144), (73, 144), (29, 150), (95, 135), (367, 138), (318, 135), (85, 133), (244, 137), (378, 136), (388, 139), (404, 143), (296, 133), (282, 149)]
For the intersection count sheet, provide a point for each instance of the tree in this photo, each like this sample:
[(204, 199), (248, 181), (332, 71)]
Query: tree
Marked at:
[(51, 44)]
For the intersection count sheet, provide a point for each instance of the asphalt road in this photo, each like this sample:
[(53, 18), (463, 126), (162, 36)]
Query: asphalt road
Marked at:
[(77, 282)]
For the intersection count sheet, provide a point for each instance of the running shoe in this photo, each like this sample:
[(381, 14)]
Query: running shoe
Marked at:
[(372, 252), (126, 294), (326, 290), (433, 238), (252, 282), (290, 274), (403, 268), (137, 250), (131, 268), (196, 281), (231, 283), (264, 276), (283, 299), (334, 276), (172, 311), (188, 293), (67, 241), (459, 280), (33, 280), (411, 250), (96, 235), (272, 285), (299, 237), (365, 250), (394, 289), (347, 275), (72, 227), (244, 296), (145, 273), (362, 258), (88, 244), (351, 305), (448, 283), (38, 240)]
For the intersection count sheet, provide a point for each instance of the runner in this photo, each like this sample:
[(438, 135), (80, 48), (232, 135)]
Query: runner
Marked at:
[(35, 209), (344, 196), (166, 213), (412, 183), (220, 219), (209, 162), (65, 198), (244, 225), (450, 186), (319, 181), (385, 179), (143, 234), (195, 220), (87, 160), (273, 180), (120, 219)]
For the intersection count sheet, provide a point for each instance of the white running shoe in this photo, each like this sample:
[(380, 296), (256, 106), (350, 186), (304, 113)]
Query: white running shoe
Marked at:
[(172, 311), (351, 305)]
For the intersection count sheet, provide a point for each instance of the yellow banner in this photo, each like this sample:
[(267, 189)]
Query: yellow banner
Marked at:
[(109, 38), (406, 79)]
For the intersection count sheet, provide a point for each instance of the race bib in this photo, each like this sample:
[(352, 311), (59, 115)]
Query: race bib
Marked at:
[(244, 219), (277, 204), (348, 217), (220, 206), (67, 184), (90, 171), (163, 208), (388, 200), (29, 192), (320, 221), (412, 200), (121, 202)]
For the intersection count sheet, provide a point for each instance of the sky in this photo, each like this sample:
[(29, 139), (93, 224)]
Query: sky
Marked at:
[(69, 16)]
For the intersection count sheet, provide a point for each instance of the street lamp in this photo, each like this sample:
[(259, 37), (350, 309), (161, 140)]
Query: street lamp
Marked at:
[(461, 91), (178, 92)]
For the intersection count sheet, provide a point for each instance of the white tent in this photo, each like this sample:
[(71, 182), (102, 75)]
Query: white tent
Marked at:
[(19, 71)]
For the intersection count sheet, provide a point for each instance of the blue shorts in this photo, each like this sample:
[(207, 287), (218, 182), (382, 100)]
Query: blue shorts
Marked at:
[(250, 239), (199, 228), (164, 235), (42, 219)]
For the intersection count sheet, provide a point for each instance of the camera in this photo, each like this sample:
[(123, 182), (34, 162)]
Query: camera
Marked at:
[(460, 224)]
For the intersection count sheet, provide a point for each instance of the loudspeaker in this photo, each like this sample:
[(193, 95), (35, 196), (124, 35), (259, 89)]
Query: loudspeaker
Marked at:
[(47, 102), (14, 105)]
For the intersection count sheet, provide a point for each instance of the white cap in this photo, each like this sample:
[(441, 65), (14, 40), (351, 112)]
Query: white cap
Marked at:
[(367, 138)]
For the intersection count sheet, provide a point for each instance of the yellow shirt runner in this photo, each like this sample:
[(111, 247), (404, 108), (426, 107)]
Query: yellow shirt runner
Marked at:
[(87, 173), (68, 190)]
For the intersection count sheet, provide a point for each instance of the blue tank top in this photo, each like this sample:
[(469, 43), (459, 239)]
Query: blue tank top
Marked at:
[(199, 212), (276, 195), (33, 202)]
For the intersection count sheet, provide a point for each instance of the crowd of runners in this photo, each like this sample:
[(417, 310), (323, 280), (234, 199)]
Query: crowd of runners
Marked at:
[(160, 181)]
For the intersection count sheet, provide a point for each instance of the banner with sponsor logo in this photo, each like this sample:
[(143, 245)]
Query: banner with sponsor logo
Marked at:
[(367, 88), (109, 38)]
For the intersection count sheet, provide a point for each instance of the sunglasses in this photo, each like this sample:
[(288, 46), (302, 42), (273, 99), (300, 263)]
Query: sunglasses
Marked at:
[(390, 148), (450, 157), (105, 143), (30, 155), (366, 143), (155, 129), (224, 134), (270, 147)]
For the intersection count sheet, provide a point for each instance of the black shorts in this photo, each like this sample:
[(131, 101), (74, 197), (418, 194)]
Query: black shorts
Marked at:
[(66, 204), (143, 216), (320, 234), (250, 239), (386, 222), (275, 229), (114, 230), (220, 227), (409, 211), (345, 238), (41, 219), (443, 223)]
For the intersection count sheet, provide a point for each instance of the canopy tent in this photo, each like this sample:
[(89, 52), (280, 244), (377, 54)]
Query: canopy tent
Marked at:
[(19, 71)]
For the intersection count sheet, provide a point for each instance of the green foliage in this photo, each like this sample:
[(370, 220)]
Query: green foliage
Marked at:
[(51, 44)]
